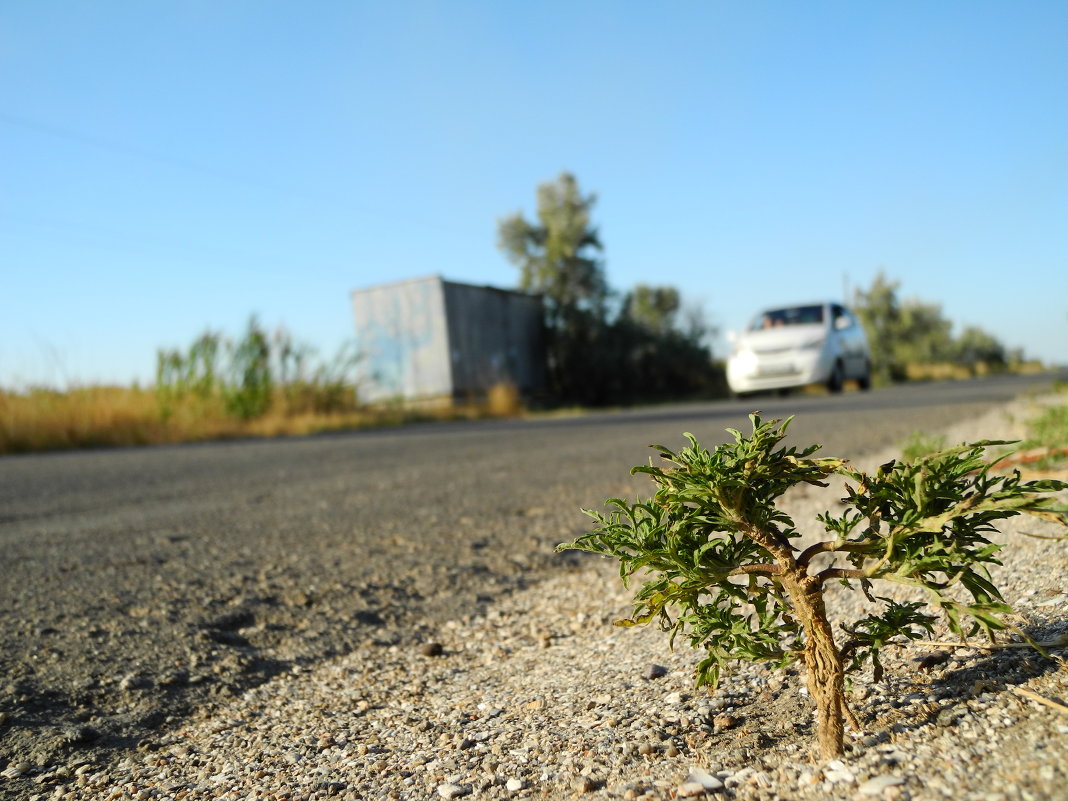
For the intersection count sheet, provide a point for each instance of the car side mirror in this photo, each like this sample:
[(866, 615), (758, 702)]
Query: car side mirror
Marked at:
[(842, 323)]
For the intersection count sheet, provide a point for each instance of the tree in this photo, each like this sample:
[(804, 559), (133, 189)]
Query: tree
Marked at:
[(879, 312), (976, 346), (654, 308), (600, 353), (923, 335), (558, 257), (916, 332)]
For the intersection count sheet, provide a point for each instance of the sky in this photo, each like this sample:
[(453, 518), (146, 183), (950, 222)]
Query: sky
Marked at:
[(169, 168)]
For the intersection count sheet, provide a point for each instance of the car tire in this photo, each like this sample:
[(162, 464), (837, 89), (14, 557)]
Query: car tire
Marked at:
[(864, 382), (836, 379)]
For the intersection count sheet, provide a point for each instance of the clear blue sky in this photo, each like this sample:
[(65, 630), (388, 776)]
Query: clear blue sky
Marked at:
[(169, 167)]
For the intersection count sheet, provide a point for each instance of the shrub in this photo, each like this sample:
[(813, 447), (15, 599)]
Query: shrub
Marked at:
[(724, 567)]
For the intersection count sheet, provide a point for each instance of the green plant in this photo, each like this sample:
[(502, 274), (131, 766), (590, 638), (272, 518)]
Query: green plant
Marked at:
[(194, 374), (1049, 430), (725, 569), (248, 392)]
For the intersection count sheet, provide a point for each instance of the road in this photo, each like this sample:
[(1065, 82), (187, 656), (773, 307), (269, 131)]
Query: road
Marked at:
[(140, 586)]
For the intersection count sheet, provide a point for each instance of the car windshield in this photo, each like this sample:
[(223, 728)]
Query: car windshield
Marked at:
[(795, 315)]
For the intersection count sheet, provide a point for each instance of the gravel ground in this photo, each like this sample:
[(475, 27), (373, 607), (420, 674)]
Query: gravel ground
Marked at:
[(538, 696)]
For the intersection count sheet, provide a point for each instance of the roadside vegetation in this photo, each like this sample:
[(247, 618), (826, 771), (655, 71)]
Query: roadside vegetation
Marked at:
[(721, 565), (911, 340), (1045, 447), (259, 385), (609, 347), (604, 347)]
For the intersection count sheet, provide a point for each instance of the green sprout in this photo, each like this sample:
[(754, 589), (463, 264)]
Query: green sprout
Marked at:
[(721, 564)]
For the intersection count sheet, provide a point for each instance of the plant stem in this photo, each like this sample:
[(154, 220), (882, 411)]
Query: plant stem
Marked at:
[(826, 677)]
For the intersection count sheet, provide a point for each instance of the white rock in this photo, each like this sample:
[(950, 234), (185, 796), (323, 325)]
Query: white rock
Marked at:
[(514, 785), (876, 784), (690, 789), (450, 790), (836, 772), (704, 778)]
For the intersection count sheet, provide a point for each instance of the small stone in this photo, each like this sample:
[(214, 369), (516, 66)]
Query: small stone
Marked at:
[(450, 790), (724, 721), (646, 748), (706, 780), (584, 784), (876, 784), (836, 772), (673, 699), (949, 716), (134, 681), (514, 785), (16, 769), (690, 789), (432, 649), (78, 735), (655, 671)]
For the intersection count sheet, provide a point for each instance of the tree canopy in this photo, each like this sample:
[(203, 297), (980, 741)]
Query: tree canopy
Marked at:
[(601, 351), (912, 331), (557, 255)]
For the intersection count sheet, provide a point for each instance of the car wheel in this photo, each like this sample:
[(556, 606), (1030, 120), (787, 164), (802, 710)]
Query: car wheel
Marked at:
[(864, 382), (834, 382)]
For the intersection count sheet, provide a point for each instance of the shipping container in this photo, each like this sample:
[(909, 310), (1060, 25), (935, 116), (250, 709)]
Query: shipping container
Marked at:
[(429, 338)]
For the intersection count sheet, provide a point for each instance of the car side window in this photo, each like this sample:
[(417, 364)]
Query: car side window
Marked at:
[(842, 318)]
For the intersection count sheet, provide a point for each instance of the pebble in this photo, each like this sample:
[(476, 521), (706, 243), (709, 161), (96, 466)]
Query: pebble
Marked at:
[(691, 789), (583, 784), (703, 778), (431, 649), (876, 784), (449, 790), (836, 772)]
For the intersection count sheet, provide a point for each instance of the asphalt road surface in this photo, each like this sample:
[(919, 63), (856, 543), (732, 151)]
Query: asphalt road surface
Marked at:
[(140, 586)]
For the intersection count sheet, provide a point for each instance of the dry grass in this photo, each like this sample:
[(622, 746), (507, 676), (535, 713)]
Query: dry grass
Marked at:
[(43, 419), (101, 416), (950, 371), (502, 400)]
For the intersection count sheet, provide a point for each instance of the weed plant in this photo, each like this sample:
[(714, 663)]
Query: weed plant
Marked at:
[(722, 565), (261, 385), (1049, 430)]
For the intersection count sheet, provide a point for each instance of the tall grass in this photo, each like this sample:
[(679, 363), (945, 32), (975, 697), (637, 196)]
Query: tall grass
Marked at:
[(260, 385), (45, 419), (101, 416)]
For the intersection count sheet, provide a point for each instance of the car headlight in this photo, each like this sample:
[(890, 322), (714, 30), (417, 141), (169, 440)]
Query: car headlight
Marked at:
[(745, 360), (815, 344)]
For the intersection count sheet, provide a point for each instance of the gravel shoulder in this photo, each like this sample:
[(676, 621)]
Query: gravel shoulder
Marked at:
[(537, 696)]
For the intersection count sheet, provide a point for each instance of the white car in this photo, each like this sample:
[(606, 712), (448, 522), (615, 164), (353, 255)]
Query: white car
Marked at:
[(783, 348)]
